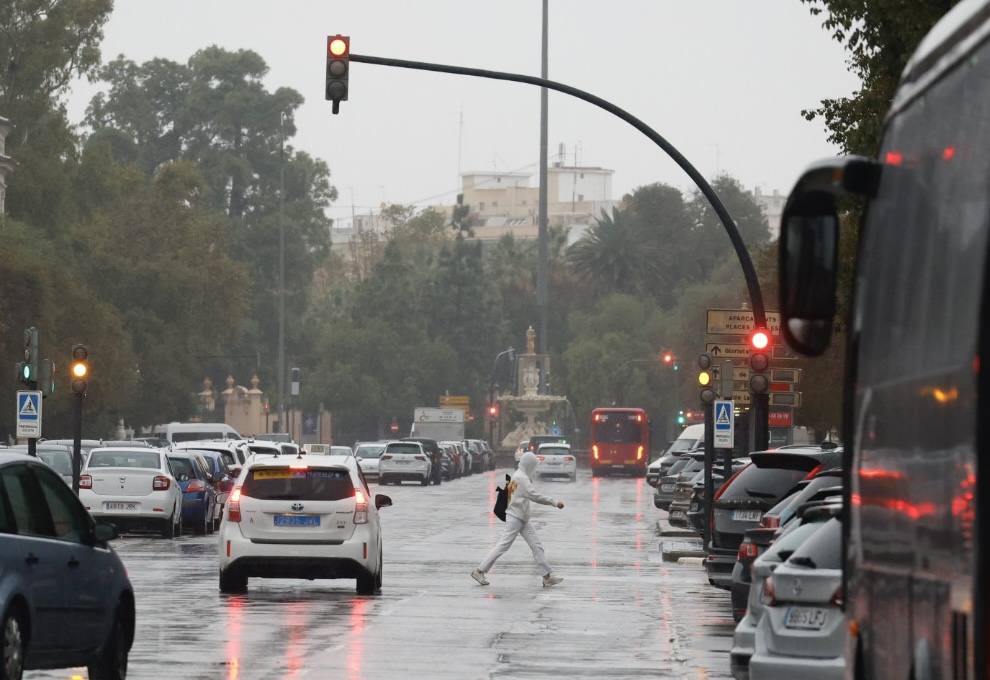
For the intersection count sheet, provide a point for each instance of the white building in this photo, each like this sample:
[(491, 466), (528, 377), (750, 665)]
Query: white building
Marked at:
[(773, 208)]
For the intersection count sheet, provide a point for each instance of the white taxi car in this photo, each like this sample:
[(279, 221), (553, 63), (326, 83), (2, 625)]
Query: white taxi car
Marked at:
[(556, 460), (301, 517), (404, 461), (132, 488)]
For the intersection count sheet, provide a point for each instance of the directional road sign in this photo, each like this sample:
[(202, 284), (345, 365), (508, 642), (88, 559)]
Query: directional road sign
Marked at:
[(738, 322), (29, 414), (785, 399), (742, 397), (720, 350), (725, 421)]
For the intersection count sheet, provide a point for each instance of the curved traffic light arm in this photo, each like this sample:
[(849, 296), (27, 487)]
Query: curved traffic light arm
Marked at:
[(745, 261)]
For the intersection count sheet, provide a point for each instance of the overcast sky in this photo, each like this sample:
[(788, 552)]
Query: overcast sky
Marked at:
[(723, 80)]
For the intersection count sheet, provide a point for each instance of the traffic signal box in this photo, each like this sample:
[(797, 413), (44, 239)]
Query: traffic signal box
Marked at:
[(338, 69), (79, 369)]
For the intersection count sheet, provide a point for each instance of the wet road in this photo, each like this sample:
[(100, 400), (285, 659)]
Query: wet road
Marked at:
[(620, 613)]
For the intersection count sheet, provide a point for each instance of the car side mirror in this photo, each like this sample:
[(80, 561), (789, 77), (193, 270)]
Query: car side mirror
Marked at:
[(104, 533), (382, 501), (809, 248)]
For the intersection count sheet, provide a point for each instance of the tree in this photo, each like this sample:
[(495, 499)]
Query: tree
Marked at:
[(613, 256), (880, 36)]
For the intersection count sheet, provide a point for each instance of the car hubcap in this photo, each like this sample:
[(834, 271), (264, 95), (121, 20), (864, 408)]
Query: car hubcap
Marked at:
[(12, 648)]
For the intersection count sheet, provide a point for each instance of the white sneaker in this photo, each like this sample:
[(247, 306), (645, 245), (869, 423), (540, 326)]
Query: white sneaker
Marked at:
[(479, 576), (551, 580)]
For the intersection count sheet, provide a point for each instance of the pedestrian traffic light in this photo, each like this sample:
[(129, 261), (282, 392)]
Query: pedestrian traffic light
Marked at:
[(338, 68), (79, 369)]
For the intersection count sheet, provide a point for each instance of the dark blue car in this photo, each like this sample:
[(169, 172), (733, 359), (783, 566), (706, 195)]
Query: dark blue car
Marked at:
[(199, 498)]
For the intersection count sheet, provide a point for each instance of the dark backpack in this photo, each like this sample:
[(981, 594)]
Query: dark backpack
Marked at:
[(502, 499)]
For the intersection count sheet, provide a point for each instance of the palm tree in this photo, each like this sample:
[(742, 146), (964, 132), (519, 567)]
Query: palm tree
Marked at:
[(613, 256)]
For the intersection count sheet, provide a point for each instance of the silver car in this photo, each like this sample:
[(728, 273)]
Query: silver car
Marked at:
[(368, 455), (802, 633)]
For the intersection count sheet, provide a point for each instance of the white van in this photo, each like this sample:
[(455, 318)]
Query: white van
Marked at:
[(691, 437), (184, 432)]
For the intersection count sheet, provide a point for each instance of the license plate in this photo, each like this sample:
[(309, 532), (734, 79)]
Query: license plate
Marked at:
[(667, 487), (403, 462), (120, 506), (297, 520), (554, 462), (746, 515), (618, 466), (806, 618)]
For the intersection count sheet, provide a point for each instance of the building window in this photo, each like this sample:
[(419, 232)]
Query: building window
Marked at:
[(580, 198)]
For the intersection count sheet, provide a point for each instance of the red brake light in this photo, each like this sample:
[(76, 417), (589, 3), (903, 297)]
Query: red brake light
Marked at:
[(360, 507), (85, 481), (594, 451), (569, 459), (420, 457), (385, 456), (161, 483), (747, 551), (639, 453), (195, 486), (768, 596), (770, 521), (814, 471), (234, 505), (359, 497), (725, 486)]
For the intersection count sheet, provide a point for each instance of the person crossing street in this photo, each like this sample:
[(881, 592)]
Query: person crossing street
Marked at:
[(517, 523)]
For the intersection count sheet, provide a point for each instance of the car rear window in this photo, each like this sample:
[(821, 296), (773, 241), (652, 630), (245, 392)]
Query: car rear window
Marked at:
[(554, 451), (369, 451), (129, 459), (311, 484), (182, 466), (195, 436), (406, 449), (823, 550), (680, 445), (767, 484)]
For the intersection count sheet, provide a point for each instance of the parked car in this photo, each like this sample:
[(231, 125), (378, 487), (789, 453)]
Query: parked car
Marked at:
[(182, 432), (478, 461), (368, 455), (311, 518), (337, 450), (65, 599), (467, 463), (556, 460), (665, 489), (134, 489), (56, 456), (404, 461), (488, 457), (782, 548), (689, 439), (199, 498), (234, 452), (802, 632), (684, 490), (740, 503), (432, 449), (222, 480)]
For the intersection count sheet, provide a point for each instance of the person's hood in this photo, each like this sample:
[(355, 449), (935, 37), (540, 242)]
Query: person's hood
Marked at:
[(527, 463)]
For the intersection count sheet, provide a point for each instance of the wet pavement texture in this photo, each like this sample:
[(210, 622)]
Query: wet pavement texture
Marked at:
[(621, 611)]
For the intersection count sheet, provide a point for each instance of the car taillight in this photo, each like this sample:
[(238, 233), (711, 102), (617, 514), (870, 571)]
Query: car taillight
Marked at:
[(770, 521), (594, 451), (85, 481), (568, 459), (725, 486), (195, 486), (234, 505), (422, 458), (839, 597), (161, 483), (747, 551), (814, 471), (361, 507), (768, 596), (639, 453), (386, 457)]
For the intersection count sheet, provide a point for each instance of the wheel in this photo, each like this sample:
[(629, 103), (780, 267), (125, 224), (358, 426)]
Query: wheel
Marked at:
[(366, 584), (12, 645), (424, 481), (233, 583), (179, 526), (168, 530), (203, 527), (111, 663)]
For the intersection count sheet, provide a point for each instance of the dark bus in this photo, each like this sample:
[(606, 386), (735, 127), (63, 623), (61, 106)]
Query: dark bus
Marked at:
[(620, 441), (917, 399)]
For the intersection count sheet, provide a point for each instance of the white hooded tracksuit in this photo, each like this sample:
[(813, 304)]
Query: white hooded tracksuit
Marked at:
[(517, 523)]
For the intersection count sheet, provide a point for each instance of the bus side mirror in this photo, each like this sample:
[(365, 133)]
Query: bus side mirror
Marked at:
[(809, 248)]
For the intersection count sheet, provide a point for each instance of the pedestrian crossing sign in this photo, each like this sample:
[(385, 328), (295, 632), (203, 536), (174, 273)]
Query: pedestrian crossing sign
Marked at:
[(724, 424), (29, 414)]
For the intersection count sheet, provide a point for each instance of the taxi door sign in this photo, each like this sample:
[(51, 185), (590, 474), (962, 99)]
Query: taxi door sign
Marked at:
[(29, 414), (725, 422)]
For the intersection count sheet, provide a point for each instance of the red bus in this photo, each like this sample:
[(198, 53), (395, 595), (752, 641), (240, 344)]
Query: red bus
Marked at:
[(620, 441)]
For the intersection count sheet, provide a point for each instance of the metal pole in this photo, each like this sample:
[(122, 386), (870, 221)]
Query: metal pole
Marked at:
[(76, 441), (281, 283), (745, 261), (33, 447), (543, 263), (761, 414), (709, 459)]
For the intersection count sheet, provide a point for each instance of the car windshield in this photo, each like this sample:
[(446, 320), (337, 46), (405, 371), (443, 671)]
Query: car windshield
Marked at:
[(822, 550), (195, 436), (403, 449), (58, 460), (286, 483), (150, 460), (369, 451), (762, 484)]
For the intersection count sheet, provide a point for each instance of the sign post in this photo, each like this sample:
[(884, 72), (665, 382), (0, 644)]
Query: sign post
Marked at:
[(29, 414)]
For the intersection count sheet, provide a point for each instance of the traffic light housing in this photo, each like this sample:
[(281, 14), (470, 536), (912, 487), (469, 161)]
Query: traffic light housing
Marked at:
[(493, 411), (27, 370), (759, 361), (668, 358), (79, 369), (681, 418), (338, 69)]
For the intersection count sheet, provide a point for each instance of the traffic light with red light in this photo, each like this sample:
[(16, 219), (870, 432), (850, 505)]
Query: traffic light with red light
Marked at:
[(668, 358), (759, 361), (493, 411), (338, 69)]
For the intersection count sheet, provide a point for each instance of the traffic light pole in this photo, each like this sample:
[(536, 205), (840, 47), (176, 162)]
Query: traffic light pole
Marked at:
[(761, 414), (709, 461), (77, 408), (745, 261)]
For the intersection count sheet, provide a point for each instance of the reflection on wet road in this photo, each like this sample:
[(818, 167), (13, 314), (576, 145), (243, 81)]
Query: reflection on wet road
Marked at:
[(620, 613)]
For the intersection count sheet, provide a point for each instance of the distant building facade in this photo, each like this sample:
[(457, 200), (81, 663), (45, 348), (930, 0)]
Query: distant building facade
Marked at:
[(6, 163), (772, 205)]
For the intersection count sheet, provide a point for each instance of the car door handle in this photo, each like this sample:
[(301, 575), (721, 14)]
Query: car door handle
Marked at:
[(73, 562), (31, 558)]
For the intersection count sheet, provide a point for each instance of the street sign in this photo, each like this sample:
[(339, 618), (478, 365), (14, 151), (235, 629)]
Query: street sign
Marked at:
[(738, 322), (555, 430), (720, 350), (725, 421), (781, 387), (29, 414), (742, 397), (741, 373), (788, 375), (782, 417), (785, 399), (782, 351)]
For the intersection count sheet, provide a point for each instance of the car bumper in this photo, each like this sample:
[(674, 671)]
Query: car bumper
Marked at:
[(719, 564), (778, 667), (742, 648), (356, 555)]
